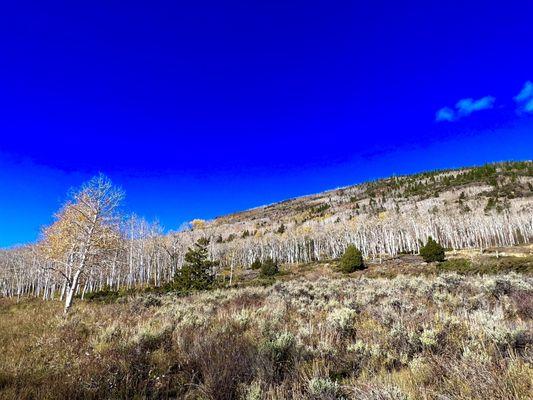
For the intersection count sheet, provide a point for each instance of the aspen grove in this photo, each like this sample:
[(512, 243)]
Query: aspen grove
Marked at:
[(90, 246)]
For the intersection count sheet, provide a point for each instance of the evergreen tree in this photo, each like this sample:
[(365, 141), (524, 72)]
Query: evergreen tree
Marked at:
[(269, 268), (197, 273), (491, 204), (351, 260), (432, 251), (257, 264)]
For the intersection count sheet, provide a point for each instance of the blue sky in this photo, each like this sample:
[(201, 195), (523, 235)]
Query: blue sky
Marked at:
[(202, 108)]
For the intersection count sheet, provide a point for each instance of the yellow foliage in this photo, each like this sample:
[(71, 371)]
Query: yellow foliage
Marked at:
[(198, 223), (383, 215), (69, 230)]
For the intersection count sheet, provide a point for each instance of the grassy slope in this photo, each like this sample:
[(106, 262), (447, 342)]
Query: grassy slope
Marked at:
[(372, 335)]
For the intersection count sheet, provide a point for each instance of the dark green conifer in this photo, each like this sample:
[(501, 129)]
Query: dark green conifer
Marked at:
[(351, 260), (432, 251)]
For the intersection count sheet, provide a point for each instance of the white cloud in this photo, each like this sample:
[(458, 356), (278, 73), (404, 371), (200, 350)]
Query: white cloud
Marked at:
[(524, 99), (529, 106), (445, 114), (464, 107), (468, 106)]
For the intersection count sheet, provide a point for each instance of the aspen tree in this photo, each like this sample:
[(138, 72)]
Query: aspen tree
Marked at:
[(85, 232)]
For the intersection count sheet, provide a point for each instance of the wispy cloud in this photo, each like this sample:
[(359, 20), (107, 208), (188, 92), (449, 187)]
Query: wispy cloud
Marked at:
[(468, 106), (445, 114), (463, 108), (524, 99)]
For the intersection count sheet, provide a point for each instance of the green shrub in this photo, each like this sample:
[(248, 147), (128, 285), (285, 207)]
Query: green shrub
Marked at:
[(522, 265), (106, 295), (459, 265), (352, 260), (257, 264), (324, 388), (269, 267), (279, 351), (432, 251)]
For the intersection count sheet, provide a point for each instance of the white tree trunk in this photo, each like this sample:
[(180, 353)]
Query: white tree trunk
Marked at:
[(72, 291)]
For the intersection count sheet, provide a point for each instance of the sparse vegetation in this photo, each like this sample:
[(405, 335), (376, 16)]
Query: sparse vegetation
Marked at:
[(410, 337)]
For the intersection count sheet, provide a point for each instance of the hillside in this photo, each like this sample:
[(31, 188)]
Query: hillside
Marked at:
[(471, 207), (475, 187), (476, 207), (397, 329), (459, 191)]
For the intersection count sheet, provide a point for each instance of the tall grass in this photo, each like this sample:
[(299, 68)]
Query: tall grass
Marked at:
[(410, 337)]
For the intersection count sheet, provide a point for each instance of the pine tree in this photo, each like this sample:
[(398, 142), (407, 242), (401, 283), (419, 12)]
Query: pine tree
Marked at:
[(269, 267), (197, 273), (352, 260), (256, 264), (432, 251)]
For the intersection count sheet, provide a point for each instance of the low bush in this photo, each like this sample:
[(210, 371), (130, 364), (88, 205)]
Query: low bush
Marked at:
[(104, 296), (279, 351), (324, 389), (459, 265), (488, 266)]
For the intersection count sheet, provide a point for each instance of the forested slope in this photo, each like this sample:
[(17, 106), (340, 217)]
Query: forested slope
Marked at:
[(477, 207)]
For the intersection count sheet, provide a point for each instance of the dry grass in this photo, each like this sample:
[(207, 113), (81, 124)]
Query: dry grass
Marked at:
[(409, 337)]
